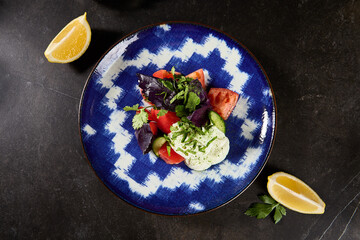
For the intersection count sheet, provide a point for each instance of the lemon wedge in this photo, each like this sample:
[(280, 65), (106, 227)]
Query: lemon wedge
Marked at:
[(294, 194), (71, 42)]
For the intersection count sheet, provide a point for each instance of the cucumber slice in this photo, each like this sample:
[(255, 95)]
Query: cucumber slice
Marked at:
[(217, 120), (157, 144)]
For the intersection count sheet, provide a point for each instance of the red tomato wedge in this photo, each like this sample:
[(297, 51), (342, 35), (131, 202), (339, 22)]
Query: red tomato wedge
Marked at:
[(164, 122), (174, 158), (153, 128), (164, 74), (223, 101), (199, 75)]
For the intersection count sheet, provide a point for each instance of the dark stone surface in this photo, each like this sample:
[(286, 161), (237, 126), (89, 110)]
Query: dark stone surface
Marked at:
[(310, 51)]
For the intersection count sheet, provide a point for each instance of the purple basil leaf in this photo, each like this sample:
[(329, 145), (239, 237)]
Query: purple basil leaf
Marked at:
[(200, 116), (156, 92), (144, 137)]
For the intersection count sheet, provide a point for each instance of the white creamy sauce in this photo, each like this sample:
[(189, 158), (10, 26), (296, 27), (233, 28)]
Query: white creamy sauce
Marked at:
[(202, 151)]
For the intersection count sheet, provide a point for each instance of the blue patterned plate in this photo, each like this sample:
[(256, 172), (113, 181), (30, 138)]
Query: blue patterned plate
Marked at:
[(144, 180)]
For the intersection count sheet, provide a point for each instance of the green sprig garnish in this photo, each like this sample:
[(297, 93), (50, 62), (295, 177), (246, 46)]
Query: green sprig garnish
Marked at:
[(139, 119), (262, 210)]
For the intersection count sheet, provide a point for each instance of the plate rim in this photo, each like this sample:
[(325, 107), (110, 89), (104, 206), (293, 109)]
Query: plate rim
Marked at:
[(235, 41)]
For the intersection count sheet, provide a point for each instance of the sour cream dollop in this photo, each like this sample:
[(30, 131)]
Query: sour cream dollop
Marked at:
[(200, 151)]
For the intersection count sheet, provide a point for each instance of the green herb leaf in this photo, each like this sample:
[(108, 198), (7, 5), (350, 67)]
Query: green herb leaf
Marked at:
[(133, 108), (173, 71), (282, 210), (168, 84), (267, 199), (277, 215), (180, 111), (162, 112), (140, 119), (262, 210), (192, 101), (259, 210)]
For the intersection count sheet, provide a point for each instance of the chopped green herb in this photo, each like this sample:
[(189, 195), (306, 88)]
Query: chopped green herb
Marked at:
[(186, 91), (201, 149), (180, 150), (168, 148), (179, 95), (190, 138), (173, 128), (184, 137), (176, 134), (165, 94), (192, 152), (209, 142), (167, 138)]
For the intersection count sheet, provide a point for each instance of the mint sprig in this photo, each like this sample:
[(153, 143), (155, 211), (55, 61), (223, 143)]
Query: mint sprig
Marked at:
[(262, 210)]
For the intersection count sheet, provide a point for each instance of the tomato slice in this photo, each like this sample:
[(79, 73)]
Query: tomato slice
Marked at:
[(174, 158), (199, 75), (223, 101), (164, 122), (164, 74), (153, 128)]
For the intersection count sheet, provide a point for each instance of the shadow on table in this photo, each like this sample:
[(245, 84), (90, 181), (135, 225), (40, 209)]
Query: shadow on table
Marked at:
[(101, 41), (128, 4)]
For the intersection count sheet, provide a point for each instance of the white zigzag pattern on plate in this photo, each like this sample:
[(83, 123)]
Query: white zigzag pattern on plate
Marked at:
[(231, 56), (196, 206), (177, 176), (88, 130)]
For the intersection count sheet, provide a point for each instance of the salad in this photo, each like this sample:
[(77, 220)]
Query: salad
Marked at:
[(183, 122)]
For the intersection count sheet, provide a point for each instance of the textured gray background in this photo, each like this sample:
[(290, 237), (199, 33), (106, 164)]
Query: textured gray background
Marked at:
[(310, 51)]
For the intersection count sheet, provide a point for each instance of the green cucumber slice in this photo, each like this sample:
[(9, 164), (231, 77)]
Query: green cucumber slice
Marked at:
[(157, 144), (217, 120)]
